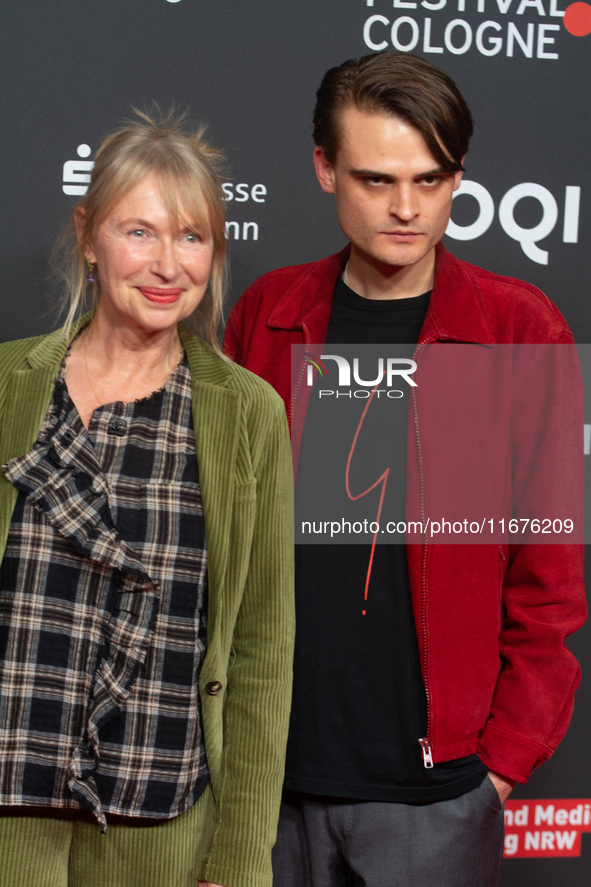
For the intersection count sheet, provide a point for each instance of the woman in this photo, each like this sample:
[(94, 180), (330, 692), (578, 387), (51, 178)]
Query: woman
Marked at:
[(145, 601)]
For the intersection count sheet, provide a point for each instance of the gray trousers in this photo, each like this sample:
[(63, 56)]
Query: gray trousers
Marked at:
[(457, 843)]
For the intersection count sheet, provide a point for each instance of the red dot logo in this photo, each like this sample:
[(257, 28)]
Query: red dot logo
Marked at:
[(577, 19)]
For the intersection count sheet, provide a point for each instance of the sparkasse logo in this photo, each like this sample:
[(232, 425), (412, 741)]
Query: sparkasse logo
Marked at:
[(77, 175)]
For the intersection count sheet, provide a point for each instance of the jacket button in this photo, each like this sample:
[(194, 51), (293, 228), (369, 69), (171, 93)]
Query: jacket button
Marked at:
[(213, 688)]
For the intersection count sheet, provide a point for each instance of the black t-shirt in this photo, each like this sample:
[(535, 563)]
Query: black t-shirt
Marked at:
[(359, 704)]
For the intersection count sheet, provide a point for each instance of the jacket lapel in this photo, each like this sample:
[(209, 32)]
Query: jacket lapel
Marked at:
[(216, 417), (456, 311), (308, 300), (28, 394), (27, 399)]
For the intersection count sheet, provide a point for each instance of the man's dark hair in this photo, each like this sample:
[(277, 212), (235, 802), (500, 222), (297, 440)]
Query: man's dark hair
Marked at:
[(404, 86)]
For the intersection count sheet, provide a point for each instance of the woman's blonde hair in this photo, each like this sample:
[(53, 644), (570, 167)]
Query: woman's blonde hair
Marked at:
[(187, 168)]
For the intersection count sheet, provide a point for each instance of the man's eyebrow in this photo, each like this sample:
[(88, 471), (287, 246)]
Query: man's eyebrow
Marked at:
[(375, 174), (438, 171)]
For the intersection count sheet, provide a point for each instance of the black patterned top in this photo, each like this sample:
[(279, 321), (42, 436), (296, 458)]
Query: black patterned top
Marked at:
[(102, 611)]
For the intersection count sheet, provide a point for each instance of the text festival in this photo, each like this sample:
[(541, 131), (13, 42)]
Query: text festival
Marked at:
[(407, 32)]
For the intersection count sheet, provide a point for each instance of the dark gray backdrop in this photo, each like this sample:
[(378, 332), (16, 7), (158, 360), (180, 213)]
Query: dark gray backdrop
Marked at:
[(73, 68)]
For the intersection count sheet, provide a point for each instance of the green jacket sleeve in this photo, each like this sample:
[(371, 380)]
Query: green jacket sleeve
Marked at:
[(258, 684)]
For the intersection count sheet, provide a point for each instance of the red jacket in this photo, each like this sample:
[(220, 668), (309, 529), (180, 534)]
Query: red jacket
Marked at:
[(491, 620)]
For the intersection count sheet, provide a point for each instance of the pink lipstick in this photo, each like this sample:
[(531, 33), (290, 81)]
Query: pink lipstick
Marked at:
[(161, 295)]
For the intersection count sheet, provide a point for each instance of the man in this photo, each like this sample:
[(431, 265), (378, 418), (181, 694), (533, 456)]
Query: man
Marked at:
[(408, 729)]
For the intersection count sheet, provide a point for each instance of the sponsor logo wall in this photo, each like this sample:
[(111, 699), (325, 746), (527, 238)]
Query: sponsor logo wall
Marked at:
[(77, 174), (436, 34), (540, 828), (72, 71)]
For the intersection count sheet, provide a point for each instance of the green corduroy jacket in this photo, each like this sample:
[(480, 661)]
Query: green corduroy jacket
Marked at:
[(245, 475)]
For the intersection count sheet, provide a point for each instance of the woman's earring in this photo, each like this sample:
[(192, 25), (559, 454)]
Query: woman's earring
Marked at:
[(90, 278)]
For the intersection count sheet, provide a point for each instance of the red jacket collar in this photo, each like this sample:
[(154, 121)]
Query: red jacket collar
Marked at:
[(456, 311), (310, 296)]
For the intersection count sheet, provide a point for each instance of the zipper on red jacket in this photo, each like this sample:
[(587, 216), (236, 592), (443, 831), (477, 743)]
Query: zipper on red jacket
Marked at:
[(424, 742), (427, 757), (294, 393)]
